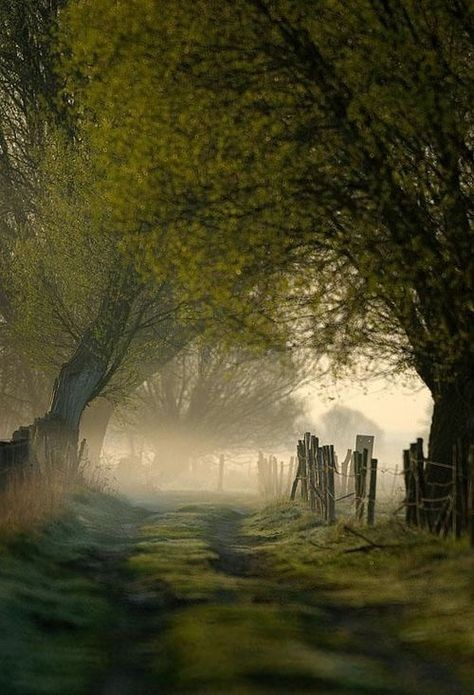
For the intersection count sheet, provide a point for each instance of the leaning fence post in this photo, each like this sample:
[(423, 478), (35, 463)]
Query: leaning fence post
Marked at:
[(299, 456), (331, 493), (372, 492)]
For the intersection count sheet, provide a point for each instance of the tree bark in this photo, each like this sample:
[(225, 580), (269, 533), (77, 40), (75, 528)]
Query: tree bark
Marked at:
[(452, 422), (94, 425), (56, 434), (452, 429)]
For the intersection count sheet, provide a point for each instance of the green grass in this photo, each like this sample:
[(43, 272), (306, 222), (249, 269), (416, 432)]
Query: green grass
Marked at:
[(206, 600), (320, 609), (54, 611), (421, 587)]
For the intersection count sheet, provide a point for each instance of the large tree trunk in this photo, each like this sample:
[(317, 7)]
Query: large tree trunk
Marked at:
[(451, 434), (56, 434), (94, 425)]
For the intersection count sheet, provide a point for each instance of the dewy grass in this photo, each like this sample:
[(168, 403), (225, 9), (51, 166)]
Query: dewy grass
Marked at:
[(315, 611), (55, 613), (200, 600), (421, 587)]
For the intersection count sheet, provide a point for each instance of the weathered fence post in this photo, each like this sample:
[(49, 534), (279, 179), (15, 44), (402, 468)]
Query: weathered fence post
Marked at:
[(408, 477), (360, 467), (304, 471), (310, 471), (321, 481), (345, 470), (300, 454), (415, 487), (372, 492), (331, 492), (420, 482)]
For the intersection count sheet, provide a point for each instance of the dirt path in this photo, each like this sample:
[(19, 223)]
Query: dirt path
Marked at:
[(199, 610)]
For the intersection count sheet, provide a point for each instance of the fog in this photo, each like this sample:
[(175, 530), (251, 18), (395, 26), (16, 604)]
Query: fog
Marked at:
[(183, 459)]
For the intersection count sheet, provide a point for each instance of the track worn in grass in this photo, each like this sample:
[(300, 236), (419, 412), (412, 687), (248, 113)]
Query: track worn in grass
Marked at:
[(213, 598)]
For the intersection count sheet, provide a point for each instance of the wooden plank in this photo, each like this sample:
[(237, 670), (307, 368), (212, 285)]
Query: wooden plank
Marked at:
[(331, 491), (304, 473), (408, 482), (299, 455), (372, 493)]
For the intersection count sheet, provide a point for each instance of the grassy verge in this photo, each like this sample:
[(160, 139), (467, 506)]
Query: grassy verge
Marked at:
[(54, 609), (419, 589)]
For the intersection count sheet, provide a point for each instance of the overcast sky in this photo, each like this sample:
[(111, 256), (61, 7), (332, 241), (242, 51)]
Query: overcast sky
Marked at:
[(397, 408)]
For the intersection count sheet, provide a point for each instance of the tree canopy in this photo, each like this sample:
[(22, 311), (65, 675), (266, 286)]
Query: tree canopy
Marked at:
[(316, 151)]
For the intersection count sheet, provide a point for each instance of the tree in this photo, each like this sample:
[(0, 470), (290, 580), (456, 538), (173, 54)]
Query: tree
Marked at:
[(340, 425), (83, 312), (211, 399), (331, 158), (74, 312)]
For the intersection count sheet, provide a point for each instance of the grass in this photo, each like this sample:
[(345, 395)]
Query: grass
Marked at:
[(319, 610), (54, 611), (420, 587), (206, 599)]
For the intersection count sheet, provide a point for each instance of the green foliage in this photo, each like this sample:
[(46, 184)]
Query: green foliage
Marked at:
[(315, 152), (61, 270)]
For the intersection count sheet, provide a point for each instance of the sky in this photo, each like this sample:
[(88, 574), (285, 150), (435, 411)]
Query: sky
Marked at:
[(396, 408), (401, 409)]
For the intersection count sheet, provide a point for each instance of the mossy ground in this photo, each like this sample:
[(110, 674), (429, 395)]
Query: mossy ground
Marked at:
[(218, 597)]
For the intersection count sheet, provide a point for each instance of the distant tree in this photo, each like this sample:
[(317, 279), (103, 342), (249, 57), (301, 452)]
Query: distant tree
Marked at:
[(211, 399), (340, 425)]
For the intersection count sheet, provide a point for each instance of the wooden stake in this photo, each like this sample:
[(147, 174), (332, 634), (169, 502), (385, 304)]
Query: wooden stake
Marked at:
[(372, 492), (331, 492)]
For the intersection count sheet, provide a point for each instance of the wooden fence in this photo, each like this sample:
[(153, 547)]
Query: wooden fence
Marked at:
[(441, 507), (14, 454), (274, 476), (322, 482)]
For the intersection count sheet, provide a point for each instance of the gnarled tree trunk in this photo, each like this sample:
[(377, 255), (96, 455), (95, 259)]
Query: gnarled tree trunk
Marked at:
[(94, 425), (451, 434)]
